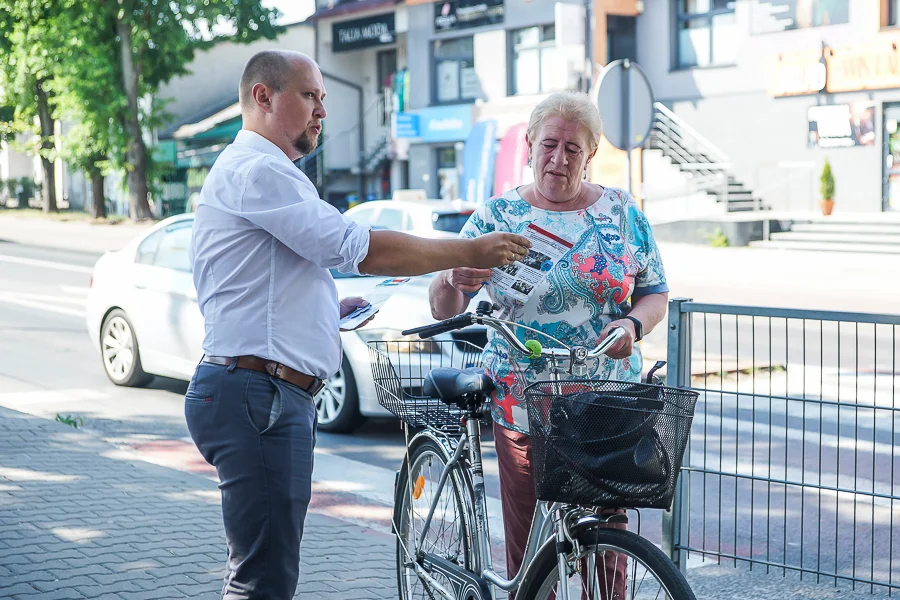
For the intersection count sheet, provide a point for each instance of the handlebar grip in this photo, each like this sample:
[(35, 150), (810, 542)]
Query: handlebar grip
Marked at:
[(451, 324)]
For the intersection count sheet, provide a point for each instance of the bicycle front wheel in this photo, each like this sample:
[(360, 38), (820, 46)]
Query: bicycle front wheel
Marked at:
[(448, 532), (611, 564)]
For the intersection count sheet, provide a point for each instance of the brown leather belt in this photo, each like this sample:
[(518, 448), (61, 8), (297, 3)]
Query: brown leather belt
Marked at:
[(308, 383)]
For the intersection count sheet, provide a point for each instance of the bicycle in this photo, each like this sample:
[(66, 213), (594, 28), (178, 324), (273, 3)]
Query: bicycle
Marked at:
[(440, 509)]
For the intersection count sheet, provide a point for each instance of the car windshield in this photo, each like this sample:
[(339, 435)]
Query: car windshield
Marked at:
[(451, 222)]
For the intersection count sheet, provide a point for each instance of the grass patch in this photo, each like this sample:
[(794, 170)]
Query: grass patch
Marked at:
[(75, 422)]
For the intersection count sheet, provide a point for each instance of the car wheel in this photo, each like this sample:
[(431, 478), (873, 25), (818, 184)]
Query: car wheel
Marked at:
[(119, 348), (337, 404)]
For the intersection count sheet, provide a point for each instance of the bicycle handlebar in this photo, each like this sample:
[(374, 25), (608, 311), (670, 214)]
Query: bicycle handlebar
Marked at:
[(502, 327)]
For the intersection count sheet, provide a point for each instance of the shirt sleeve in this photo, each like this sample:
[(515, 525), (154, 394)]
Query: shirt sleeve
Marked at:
[(651, 276), (287, 206), (478, 223)]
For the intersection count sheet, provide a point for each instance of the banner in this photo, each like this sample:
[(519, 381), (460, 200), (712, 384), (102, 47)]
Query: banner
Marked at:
[(512, 160), (841, 125), (478, 162)]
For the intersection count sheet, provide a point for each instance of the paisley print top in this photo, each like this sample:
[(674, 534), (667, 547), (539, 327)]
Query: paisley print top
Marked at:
[(614, 258)]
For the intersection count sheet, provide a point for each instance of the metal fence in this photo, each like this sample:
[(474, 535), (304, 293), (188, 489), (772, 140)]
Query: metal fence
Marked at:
[(793, 461)]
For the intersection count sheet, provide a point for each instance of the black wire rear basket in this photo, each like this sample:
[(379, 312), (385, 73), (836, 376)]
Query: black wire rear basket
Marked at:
[(608, 443), (399, 369)]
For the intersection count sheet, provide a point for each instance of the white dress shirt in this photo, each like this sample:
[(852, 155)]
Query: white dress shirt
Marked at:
[(262, 244)]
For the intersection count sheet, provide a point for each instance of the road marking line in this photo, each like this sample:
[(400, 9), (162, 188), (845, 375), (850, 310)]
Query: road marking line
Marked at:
[(13, 299), (46, 264)]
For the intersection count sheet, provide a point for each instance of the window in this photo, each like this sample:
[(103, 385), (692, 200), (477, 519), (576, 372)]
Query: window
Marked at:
[(450, 222), (893, 12), (147, 250), (364, 216), (447, 173), (538, 67), (390, 218), (706, 33), (454, 71), (174, 248)]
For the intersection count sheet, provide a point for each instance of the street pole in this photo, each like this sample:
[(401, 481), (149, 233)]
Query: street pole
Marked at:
[(626, 121), (588, 44)]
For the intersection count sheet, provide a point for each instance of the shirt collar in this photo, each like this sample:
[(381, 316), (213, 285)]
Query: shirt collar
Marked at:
[(260, 144)]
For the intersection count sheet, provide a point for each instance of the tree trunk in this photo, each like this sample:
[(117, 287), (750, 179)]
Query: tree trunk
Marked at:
[(48, 126), (138, 191), (98, 200)]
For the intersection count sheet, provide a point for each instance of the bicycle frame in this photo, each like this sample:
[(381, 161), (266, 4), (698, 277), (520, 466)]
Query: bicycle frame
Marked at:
[(542, 522)]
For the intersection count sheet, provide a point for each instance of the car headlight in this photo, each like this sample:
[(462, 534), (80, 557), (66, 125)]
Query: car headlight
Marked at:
[(392, 340)]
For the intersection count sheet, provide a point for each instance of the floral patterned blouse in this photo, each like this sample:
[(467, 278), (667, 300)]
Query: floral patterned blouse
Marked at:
[(614, 258)]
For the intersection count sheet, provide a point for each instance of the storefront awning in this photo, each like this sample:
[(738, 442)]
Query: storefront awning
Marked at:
[(225, 123)]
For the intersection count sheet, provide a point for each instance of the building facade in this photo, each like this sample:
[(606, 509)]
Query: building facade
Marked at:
[(779, 87)]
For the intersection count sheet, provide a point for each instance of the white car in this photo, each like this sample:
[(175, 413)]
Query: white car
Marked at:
[(425, 218), (143, 318)]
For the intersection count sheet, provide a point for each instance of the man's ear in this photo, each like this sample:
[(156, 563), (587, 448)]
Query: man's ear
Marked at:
[(262, 97)]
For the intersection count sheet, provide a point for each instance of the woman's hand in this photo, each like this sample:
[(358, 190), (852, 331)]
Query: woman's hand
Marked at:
[(466, 280), (625, 346)]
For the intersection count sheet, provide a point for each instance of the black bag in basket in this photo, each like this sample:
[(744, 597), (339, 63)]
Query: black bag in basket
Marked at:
[(609, 435)]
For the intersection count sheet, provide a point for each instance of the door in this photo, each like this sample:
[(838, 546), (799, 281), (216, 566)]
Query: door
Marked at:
[(171, 329), (891, 155)]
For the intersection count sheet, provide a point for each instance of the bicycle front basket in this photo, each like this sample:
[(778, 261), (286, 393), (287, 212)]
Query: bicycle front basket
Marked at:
[(399, 369), (608, 443)]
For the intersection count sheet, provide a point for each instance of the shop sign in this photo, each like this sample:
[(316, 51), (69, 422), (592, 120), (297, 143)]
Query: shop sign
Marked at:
[(863, 68), (407, 125), (463, 14), (841, 125), (796, 74), (363, 33), (771, 16), (445, 123)]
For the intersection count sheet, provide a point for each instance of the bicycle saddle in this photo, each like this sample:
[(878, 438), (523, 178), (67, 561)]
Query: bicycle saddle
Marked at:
[(449, 385)]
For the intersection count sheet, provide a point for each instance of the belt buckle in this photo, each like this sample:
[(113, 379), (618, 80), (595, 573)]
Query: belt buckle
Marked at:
[(271, 368), (315, 389)]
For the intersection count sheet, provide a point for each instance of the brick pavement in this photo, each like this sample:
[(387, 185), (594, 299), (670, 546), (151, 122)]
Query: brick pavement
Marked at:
[(77, 521)]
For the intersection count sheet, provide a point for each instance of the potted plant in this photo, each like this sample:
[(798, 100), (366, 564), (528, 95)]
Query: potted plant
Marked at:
[(827, 189)]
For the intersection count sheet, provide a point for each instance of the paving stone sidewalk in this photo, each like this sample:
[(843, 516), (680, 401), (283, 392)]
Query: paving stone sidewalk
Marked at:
[(78, 521)]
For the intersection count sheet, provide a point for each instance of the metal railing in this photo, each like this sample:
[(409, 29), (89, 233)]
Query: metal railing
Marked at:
[(793, 464)]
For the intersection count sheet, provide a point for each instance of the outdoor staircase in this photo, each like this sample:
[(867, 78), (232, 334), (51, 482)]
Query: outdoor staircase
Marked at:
[(705, 168), (826, 234)]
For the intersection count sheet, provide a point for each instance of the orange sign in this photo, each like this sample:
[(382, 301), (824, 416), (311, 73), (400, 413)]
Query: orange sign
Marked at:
[(863, 68), (609, 168), (796, 73)]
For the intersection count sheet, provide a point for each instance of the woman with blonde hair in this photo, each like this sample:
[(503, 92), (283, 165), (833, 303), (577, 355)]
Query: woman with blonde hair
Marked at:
[(612, 277)]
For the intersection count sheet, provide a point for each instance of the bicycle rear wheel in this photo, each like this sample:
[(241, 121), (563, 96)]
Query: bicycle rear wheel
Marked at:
[(448, 533), (611, 565)]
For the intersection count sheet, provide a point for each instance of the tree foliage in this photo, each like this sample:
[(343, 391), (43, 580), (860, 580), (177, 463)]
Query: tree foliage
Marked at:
[(97, 63)]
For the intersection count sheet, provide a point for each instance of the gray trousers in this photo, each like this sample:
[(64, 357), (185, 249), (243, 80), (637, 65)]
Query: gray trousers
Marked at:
[(259, 433)]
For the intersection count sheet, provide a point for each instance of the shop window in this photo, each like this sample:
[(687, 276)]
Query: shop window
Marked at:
[(448, 173), (454, 71), (536, 61), (706, 33)]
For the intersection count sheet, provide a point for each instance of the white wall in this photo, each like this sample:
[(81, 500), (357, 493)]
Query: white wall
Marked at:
[(214, 74), (766, 137)]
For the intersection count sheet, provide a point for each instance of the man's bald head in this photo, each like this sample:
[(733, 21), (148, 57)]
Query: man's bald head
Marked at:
[(272, 68), (282, 97)]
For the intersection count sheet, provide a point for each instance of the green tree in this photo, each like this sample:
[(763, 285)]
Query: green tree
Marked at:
[(156, 42), (90, 96), (29, 32)]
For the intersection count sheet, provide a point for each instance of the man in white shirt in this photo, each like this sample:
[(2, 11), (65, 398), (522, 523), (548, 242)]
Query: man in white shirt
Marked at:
[(263, 242)]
